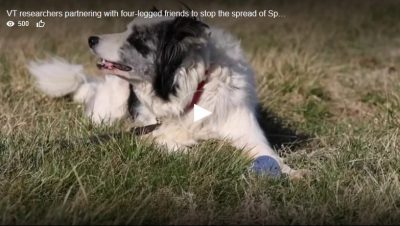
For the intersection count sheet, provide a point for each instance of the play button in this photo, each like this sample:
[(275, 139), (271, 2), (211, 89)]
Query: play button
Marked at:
[(200, 113)]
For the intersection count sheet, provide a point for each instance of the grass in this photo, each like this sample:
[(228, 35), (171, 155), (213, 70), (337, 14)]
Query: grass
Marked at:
[(330, 71)]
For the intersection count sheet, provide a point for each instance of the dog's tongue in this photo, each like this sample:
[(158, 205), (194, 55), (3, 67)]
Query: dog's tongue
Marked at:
[(108, 64), (105, 64)]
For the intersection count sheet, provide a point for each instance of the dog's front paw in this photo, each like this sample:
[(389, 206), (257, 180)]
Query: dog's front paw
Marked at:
[(295, 174), (266, 165)]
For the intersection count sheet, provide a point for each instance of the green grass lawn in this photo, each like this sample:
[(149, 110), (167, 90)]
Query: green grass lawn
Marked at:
[(327, 70)]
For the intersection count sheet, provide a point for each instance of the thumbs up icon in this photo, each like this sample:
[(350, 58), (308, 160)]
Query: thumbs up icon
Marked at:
[(40, 23)]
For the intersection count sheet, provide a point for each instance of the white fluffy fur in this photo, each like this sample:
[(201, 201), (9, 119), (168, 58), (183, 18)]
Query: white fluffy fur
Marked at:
[(110, 100), (229, 94), (56, 77), (105, 98)]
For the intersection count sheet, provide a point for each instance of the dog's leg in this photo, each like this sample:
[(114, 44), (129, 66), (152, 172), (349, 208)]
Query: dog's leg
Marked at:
[(243, 130), (110, 101)]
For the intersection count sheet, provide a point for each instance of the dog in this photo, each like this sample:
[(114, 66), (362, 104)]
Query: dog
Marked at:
[(155, 72)]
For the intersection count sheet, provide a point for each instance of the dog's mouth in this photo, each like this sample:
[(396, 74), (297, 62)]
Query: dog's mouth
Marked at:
[(104, 64)]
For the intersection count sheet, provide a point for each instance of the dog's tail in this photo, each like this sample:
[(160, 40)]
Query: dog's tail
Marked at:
[(58, 78)]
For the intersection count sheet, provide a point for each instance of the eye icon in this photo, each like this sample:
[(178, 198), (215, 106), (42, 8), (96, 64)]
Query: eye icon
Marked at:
[(10, 23)]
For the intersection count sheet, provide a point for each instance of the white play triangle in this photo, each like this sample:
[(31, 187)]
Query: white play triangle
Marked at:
[(200, 113)]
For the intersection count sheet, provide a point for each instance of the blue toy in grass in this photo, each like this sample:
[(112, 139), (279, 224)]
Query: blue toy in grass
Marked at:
[(266, 165)]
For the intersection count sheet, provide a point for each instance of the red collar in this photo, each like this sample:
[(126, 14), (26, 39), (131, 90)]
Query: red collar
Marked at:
[(199, 91)]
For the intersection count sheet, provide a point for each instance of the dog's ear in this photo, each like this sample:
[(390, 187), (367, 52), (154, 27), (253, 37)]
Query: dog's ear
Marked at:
[(154, 9), (176, 41)]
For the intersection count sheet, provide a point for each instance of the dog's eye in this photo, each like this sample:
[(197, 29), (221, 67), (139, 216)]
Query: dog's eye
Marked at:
[(139, 44)]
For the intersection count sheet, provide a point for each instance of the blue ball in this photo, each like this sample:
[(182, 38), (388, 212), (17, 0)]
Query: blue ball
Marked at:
[(266, 165)]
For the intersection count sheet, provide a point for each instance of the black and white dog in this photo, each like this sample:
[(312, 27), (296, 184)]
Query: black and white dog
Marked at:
[(156, 71)]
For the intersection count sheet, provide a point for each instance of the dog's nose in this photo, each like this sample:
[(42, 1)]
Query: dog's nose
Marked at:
[(93, 40)]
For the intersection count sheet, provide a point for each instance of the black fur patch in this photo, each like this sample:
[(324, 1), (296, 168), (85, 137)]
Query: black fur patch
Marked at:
[(172, 50), (133, 102), (139, 43)]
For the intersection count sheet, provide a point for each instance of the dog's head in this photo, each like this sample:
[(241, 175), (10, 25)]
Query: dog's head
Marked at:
[(151, 50)]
